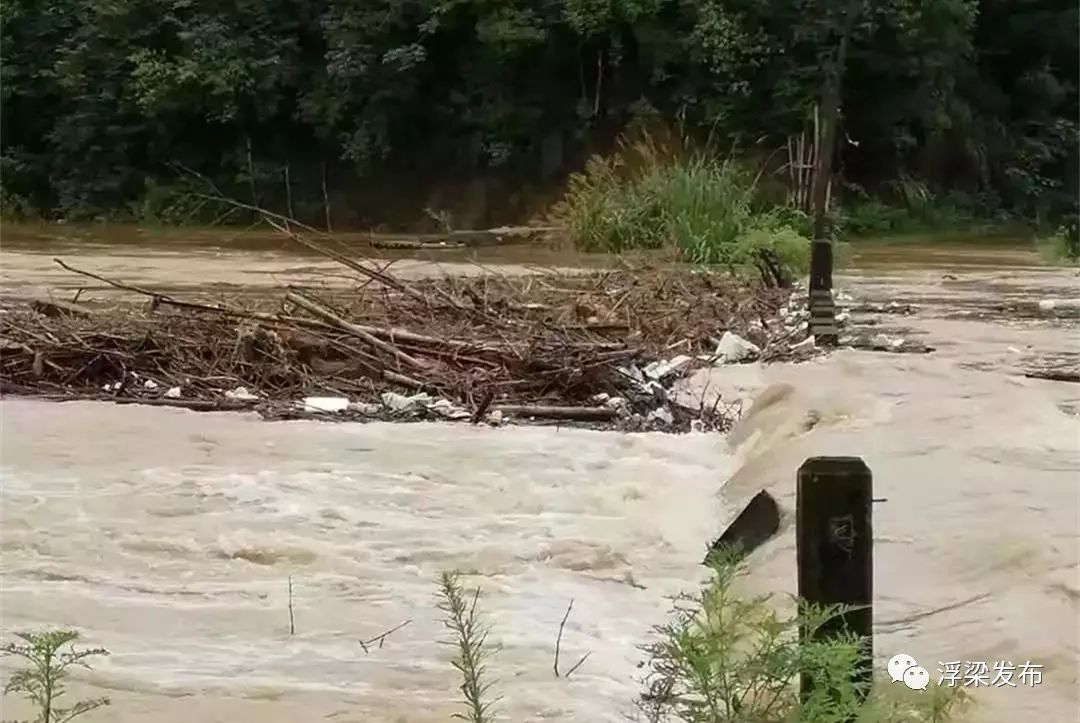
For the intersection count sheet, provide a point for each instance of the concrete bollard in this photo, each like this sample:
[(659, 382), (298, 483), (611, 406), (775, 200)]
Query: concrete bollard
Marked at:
[(834, 539)]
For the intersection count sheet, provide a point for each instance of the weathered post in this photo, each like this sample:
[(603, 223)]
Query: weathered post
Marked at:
[(822, 309), (834, 538)]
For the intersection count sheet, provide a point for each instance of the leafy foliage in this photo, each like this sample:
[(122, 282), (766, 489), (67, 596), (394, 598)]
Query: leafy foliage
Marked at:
[(104, 103), (42, 680), (1062, 247), (706, 210), (728, 658)]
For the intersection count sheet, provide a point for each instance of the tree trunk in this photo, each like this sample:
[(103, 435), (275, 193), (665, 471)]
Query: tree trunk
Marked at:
[(288, 191), (326, 199)]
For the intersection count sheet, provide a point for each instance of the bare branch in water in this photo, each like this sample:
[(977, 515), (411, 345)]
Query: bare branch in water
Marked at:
[(558, 644), (365, 644)]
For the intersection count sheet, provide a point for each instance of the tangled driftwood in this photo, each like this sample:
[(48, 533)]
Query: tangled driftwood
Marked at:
[(542, 346)]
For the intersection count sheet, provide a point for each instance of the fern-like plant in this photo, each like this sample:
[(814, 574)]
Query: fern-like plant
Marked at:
[(42, 678)]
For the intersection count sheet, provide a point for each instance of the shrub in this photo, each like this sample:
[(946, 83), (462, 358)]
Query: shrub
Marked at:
[(1063, 246), (704, 209)]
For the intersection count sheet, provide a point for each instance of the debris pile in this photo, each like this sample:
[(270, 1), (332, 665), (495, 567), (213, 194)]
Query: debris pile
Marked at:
[(601, 348)]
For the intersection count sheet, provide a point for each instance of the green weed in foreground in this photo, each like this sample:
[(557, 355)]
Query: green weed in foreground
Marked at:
[(727, 658), (1063, 246), (722, 658), (473, 649), (704, 209), (42, 679)]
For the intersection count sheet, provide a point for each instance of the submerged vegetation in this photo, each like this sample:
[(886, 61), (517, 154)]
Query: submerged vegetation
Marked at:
[(724, 657), (727, 658)]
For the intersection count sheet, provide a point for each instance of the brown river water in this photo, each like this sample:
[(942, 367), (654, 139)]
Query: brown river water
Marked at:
[(169, 536)]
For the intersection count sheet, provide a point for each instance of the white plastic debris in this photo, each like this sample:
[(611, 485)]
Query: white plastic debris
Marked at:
[(843, 317), (646, 385), (329, 405), (807, 344), (172, 393), (368, 409), (445, 408), (600, 398), (661, 414), (880, 340), (241, 394), (401, 403), (495, 418), (150, 384), (733, 348), (1047, 304), (896, 343), (617, 403), (658, 370)]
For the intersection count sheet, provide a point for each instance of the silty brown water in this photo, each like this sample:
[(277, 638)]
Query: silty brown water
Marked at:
[(169, 536)]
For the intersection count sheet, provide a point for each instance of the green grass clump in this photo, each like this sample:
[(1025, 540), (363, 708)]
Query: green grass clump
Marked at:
[(704, 209), (1063, 246)]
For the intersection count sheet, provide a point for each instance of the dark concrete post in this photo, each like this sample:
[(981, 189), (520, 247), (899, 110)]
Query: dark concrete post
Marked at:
[(834, 548)]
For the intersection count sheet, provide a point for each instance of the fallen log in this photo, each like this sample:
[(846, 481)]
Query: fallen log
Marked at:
[(1054, 375), (325, 314), (415, 244), (580, 414)]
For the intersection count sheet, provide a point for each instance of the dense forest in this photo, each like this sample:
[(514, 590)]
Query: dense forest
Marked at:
[(114, 108)]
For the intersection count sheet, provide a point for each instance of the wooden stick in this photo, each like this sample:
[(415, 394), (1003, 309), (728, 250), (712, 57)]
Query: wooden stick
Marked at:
[(482, 408), (578, 664), (360, 268), (583, 414), (382, 636), (558, 638), (292, 621), (320, 311)]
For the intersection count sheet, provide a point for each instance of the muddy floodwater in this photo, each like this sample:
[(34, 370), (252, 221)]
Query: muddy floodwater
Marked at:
[(169, 537)]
